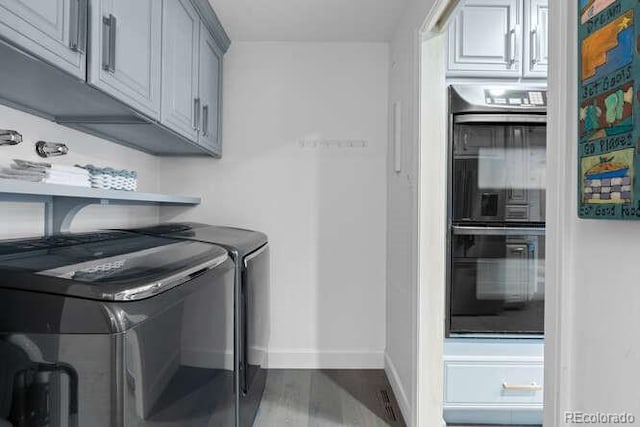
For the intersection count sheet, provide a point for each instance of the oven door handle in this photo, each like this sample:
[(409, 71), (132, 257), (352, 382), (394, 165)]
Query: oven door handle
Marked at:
[(466, 191), (498, 231), (500, 118)]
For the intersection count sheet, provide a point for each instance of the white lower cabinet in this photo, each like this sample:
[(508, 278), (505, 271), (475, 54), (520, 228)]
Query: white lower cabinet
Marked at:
[(495, 382)]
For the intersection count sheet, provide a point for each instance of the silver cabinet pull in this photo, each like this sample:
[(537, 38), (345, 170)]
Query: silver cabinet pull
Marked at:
[(78, 26), (109, 43), (535, 46), (196, 113), (522, 387), (512, 46), (205, 120)]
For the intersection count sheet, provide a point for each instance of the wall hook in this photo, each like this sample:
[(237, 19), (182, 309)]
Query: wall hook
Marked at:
[(51, 149), (10, 137)]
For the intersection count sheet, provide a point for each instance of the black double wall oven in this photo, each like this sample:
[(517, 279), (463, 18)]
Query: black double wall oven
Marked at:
[(496, 211)]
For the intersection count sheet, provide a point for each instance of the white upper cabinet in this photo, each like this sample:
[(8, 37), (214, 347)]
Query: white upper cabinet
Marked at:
[(499, 39), (484, 39), (53, 30), (536, 47), (180, 60), (126, 50)]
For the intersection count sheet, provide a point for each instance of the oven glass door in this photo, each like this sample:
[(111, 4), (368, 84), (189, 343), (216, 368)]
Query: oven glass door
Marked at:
[(497, 280), (499, 173)]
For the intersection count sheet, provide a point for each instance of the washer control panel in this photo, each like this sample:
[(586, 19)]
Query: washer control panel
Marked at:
[(515, 98)]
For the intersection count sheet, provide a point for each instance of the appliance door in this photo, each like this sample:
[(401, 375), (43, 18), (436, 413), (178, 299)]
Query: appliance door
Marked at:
[(174, 367), (255, 323), (497, 280), (178, 365), (498, 171)]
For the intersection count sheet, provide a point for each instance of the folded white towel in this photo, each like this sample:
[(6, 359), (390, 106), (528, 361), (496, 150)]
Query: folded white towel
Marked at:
[(21, 178), (69, 169), (46, 176), (65, 175), (55, 177), (48, 167), (51, 175), (20, 172), (78, 183)]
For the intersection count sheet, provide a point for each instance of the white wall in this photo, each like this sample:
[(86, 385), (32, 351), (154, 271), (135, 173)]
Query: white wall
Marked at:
[(401, 357), (19, 220), (323, 208), (592, 352)]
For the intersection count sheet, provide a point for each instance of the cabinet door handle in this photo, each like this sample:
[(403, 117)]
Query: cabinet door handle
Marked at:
[(465, 141), (522, 387), (512, 46), (78, 26), (109, 43), (535, 46), (205, 120), (196, 113)]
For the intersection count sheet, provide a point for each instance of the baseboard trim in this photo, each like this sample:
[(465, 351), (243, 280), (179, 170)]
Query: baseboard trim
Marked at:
[(398, 388), (313, 359)]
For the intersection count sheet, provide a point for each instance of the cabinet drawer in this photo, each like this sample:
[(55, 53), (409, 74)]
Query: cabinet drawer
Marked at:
[(487, 383)]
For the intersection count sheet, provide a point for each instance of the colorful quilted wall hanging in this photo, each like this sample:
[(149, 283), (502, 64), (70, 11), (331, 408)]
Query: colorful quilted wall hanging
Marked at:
[(608, 109)]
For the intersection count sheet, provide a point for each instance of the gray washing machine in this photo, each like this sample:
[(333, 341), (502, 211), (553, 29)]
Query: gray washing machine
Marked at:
[(250, 253), (116, 329)]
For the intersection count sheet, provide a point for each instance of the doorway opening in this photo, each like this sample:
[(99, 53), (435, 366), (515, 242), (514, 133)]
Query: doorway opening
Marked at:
[(480, 344)]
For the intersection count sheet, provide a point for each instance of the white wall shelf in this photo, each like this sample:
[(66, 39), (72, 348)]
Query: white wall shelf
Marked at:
[(63, 202)]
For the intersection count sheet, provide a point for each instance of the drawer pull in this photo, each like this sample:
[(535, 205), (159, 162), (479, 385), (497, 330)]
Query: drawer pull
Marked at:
[(521, 387)]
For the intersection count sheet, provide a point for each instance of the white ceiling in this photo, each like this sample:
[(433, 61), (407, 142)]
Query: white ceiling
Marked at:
[(309, 20)]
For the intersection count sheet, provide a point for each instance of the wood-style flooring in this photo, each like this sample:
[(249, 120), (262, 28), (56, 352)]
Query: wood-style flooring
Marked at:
[(328, 398)]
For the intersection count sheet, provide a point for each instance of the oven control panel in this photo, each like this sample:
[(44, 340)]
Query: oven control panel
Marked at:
[(515, 98)]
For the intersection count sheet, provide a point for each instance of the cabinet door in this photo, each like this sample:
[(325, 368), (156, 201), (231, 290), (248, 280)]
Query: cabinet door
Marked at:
[(125, 51), (181, 40), (210, 93), (53, 30), (484, 39), (536, 42)]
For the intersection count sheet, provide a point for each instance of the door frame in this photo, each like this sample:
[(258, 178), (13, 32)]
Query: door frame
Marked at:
[(560, 285), (432, 223), (431, 281)]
